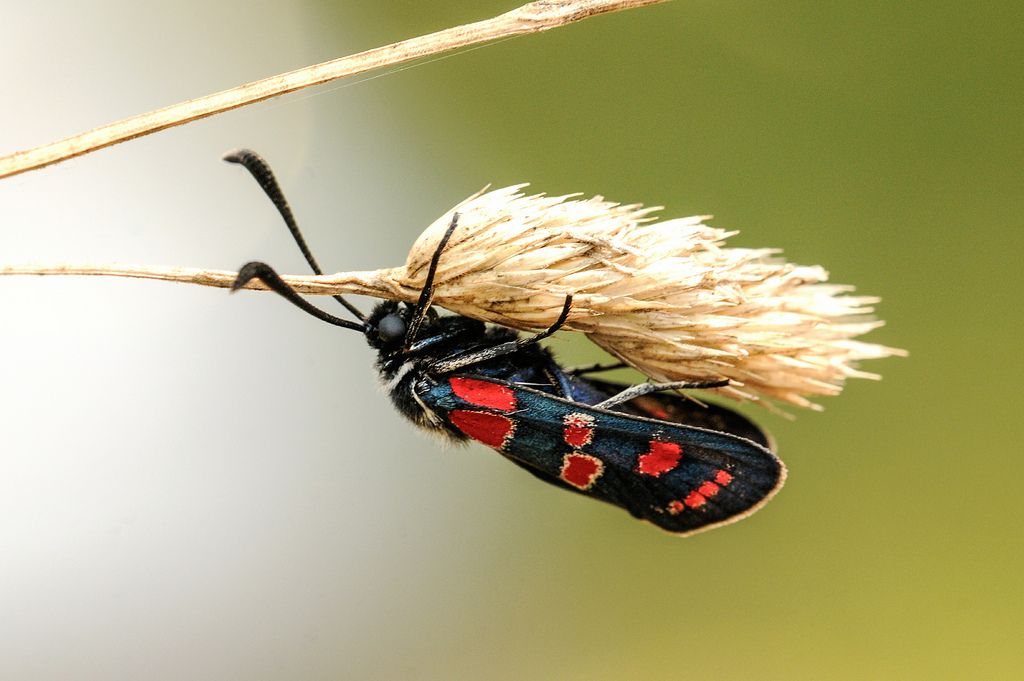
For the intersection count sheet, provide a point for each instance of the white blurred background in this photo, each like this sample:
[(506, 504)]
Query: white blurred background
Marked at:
[(197, 485)]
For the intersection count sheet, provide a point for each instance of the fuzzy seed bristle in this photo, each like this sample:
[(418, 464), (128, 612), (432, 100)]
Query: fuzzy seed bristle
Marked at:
[(668, 298)]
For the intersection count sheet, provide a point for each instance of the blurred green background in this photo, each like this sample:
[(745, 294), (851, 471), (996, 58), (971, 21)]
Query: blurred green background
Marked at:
[(200, 486)]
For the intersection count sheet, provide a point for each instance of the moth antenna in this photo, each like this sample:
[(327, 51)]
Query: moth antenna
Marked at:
[(264, 176), (266, 274), (423, 304)]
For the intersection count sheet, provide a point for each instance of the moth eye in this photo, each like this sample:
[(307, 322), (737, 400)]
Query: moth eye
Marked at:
[(391, 328)]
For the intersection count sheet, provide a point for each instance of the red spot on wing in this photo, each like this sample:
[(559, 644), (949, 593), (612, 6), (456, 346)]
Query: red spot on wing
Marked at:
[(579, 430), (484, 393), (695, 500), (700, 496), (492, 430), (581, 470), (708, 489), (660, 458)]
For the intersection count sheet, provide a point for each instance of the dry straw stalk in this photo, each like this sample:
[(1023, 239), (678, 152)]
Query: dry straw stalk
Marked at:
[(529, 18)]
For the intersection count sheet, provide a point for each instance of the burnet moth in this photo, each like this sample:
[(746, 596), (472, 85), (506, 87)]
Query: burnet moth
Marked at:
[(682, 465)]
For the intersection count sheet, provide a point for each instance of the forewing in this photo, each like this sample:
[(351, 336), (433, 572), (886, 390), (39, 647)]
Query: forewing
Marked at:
[(681, 478)]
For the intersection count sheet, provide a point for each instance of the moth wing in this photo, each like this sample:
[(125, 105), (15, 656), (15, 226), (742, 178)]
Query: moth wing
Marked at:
[(681, 478)]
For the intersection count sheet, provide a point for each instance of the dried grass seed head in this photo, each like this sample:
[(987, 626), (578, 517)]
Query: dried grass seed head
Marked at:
[(666, 297)]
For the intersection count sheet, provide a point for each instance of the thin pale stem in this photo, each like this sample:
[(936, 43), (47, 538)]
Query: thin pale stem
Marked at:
[(376, 283), (530, 18)]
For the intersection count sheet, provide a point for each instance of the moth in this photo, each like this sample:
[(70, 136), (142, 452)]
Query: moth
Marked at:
[(679, 464)]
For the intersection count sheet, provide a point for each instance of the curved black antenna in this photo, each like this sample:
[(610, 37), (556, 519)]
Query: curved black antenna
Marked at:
[(423, 304), (264, 176), (266, 274)]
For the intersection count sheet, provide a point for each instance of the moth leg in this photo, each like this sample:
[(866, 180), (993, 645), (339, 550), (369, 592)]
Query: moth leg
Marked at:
[(648, 388), (559, 323), (559, 379), (596, 368), (456, 362)]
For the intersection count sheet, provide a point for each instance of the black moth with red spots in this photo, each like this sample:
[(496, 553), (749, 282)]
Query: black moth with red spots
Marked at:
[(678, 476), (681, 465)]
